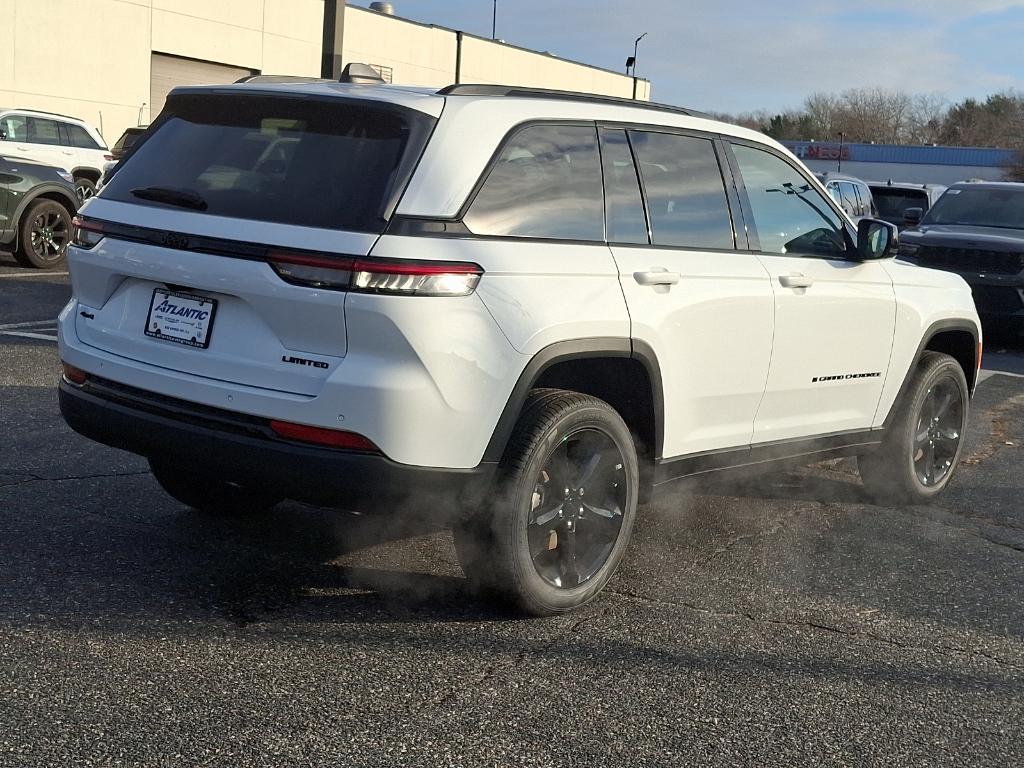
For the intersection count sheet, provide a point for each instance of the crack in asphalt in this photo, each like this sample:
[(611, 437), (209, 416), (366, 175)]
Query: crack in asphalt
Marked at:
[(814, 625), (967, 529), (777, 526), (33, 478)]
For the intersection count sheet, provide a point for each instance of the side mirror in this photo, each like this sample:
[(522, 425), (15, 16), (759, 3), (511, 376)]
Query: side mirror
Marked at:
[(912, 216), (876, 239), (3, 135)]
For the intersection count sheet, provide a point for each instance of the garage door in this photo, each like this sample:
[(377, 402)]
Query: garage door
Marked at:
[(169, 72)]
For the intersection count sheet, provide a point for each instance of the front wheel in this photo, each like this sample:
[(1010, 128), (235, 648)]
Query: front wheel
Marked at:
[(923, 446), (563, 509), (211, 495)]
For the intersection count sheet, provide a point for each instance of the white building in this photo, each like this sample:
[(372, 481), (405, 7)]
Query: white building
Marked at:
[(139, 49)]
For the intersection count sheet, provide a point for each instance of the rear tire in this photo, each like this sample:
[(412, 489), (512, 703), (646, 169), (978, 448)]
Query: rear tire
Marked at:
[(563, 507), (923, 446), (210, 495), (43, 234)]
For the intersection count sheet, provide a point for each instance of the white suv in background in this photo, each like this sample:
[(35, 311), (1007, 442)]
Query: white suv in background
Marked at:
[(57, 140), (519, 310)]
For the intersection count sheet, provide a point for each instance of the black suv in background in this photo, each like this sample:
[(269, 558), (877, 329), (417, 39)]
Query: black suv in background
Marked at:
[(977, 230), (897, 201), (37, 203)]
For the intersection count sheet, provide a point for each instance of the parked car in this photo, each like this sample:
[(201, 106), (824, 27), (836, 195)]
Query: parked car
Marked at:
[(57, 140), (527, 333), (976, 229), (895, 199), (128, 138), (852, 194), (37, 203)]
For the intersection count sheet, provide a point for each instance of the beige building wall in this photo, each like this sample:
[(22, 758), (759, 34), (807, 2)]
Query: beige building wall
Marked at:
[(108, 82), (421, 54), (112, 76)]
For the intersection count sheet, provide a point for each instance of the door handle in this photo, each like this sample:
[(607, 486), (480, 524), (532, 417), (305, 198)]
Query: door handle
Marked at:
[(656, 276), (67, 152), (796, 280)]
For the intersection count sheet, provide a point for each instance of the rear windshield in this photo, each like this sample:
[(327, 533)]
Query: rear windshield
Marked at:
[(1002, 207), (891, 203), (335, 164)]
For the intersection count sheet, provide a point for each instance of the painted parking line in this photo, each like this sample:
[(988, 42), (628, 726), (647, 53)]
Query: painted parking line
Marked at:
[(29, 335), (51, 323), (12, 275)]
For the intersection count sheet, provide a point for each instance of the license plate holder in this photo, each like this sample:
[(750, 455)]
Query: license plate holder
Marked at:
[(183, 318)]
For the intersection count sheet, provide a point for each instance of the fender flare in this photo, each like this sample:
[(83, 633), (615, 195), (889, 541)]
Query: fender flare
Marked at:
[(940, 326), (87, 171), (34, 194), (576, 349)]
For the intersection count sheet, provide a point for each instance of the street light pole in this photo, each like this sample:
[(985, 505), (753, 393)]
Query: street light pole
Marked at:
[(636, 45), (842, 137), (494, 21)]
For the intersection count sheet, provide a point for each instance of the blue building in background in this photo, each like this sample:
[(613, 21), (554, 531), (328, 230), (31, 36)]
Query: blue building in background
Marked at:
[(901, 162)]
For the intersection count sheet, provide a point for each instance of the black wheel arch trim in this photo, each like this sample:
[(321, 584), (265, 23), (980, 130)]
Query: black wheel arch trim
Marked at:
[(940, 326), (576, 349), (87, 172), (32, 196)]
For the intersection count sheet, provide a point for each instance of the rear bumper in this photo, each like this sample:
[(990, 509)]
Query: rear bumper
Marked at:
[(242, 449)]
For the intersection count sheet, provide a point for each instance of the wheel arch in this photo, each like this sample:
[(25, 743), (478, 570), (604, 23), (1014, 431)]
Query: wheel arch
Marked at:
[(87, 172), (623, 373), (958, 338), (45, 191)]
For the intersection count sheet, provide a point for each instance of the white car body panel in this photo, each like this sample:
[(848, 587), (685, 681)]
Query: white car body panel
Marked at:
[(840, 325), (712, 334)]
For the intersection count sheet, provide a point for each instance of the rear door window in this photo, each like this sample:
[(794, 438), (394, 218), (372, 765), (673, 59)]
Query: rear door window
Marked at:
[(685, 191), (42, 131), (546, 183), (337, 164), (624, 208), (848, 196)]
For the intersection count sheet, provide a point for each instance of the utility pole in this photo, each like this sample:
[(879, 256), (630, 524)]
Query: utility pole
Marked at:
[(842, 137), (494, 21)]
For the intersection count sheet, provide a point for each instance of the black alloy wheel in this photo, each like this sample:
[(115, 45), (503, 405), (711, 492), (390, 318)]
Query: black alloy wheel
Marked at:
[(939, 432), (925, 436), (563, 507), (45, 232), (576, 508)]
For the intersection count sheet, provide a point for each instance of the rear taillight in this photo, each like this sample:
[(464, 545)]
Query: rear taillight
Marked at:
[(87, 233), (73, 375), (109, 158), (397, 278), (333, 438)]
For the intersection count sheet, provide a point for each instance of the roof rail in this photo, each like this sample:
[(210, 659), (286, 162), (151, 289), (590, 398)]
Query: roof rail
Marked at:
[(470, 89), (43, 112), (281, 79)]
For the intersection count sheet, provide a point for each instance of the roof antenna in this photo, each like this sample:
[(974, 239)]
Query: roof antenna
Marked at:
[(361, 74)]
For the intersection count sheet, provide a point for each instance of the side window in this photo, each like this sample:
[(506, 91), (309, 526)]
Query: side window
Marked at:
[(685, 191), (833, 189), (546, 183), (14, 128), (790, 215), (80, 137), (41, 131), (849, 198), (624, 208)]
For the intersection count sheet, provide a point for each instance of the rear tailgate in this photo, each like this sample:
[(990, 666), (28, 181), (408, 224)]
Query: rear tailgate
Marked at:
[(222, 187)]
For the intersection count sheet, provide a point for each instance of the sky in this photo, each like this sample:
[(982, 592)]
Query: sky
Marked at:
[(744, 55)]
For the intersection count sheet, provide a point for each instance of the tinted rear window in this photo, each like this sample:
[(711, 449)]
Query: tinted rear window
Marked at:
[(337, 164), (892, 203)]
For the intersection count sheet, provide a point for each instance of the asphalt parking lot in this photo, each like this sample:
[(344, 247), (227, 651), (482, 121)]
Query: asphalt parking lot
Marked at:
[(786, 621)]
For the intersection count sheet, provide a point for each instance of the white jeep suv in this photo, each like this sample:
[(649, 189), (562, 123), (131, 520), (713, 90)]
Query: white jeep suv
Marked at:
[(57, 140), (522, 310)]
